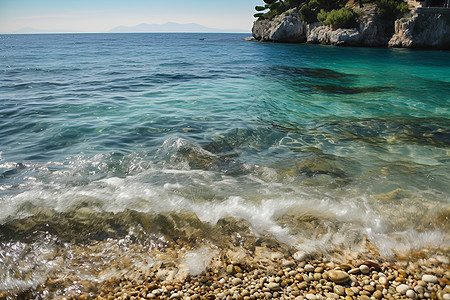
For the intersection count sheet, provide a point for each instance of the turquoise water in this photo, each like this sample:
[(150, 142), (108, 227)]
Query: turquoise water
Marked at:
[(154, 140)]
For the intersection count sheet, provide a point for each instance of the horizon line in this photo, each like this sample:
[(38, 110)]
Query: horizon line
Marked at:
[(106, 32)]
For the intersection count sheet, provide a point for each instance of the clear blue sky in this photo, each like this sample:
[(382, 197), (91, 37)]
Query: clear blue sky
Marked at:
[(102, 15)]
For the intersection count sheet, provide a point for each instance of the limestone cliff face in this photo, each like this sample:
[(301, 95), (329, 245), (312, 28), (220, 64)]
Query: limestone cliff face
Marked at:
[(283, 28), (371, 32), (427, 28)]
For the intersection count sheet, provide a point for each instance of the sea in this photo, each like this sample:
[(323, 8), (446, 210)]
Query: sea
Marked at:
[(120, 146)]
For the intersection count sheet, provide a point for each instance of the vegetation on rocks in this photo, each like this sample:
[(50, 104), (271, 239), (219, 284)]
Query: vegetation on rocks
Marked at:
[(330, 12), (342, 18)]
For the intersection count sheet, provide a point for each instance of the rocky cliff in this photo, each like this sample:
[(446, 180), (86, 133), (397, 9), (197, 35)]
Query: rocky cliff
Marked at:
[(426, 28)]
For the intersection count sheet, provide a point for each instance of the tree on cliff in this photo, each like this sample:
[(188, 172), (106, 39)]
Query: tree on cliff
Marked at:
[(330, 12)]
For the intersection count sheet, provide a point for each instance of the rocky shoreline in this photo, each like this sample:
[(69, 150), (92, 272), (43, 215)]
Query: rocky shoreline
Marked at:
[(421, 28), (265, 274)]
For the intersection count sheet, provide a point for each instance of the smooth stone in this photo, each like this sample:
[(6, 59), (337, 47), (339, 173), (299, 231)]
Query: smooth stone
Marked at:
[(302, 286), (364, 269), (369, 288), (230, 269), (383, 280), (364, 297), (332, 295), (339, 289), (338, 276), (377, 294), (236, 281), (311, 297), (355, 290), (446, 296), (349, 292), (151, 296), (430, 278), (354, 271), (318, 270), (411, 294), (422, 283), (237, 269), (402, 288), (273, 286), (175, 296), (309, 268), (419, 289)]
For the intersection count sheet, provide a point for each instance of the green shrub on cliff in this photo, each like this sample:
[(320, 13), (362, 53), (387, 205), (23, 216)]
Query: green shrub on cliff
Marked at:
[(330, 12), (307, 14), (342, 18), (392, 9)]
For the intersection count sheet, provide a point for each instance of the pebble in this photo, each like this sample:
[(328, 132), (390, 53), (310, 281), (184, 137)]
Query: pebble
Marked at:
[(273, 286), (354, 271), (383, 280), (377, 294), (283, 279), (230, 270), (430, 278), (349, 292), (339, 289), (332, 295), (309, 268), (411, 294), (369, 288), (338, 276), (311, 297), (364, 269), (402, 288), (302, 286), (318, 270)]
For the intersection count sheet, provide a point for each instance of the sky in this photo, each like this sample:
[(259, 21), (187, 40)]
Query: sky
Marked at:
[(103, 15)]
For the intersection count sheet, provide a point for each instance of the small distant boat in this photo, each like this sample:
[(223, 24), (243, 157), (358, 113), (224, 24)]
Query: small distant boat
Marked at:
[(201, 39)]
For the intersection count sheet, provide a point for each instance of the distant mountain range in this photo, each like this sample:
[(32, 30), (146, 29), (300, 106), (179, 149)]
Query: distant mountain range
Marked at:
[(167, 27), (170, 27)]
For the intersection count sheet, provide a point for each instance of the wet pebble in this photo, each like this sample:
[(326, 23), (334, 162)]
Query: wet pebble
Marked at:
[(430, 278), (411, 294), (402, 288), (273, 286), (383, 280), (364, 269), (309, 268), (338, 276)]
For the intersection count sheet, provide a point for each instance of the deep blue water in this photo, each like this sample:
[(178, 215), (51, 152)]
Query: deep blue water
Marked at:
[(355, 139)]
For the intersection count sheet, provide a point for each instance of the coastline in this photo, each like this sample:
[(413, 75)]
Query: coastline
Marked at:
[(268, 271), (421, 28)]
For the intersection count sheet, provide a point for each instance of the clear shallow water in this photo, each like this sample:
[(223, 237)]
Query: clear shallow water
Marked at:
[(155, 140)]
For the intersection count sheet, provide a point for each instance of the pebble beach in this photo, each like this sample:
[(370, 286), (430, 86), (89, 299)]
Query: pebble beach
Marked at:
[(267, 274)]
